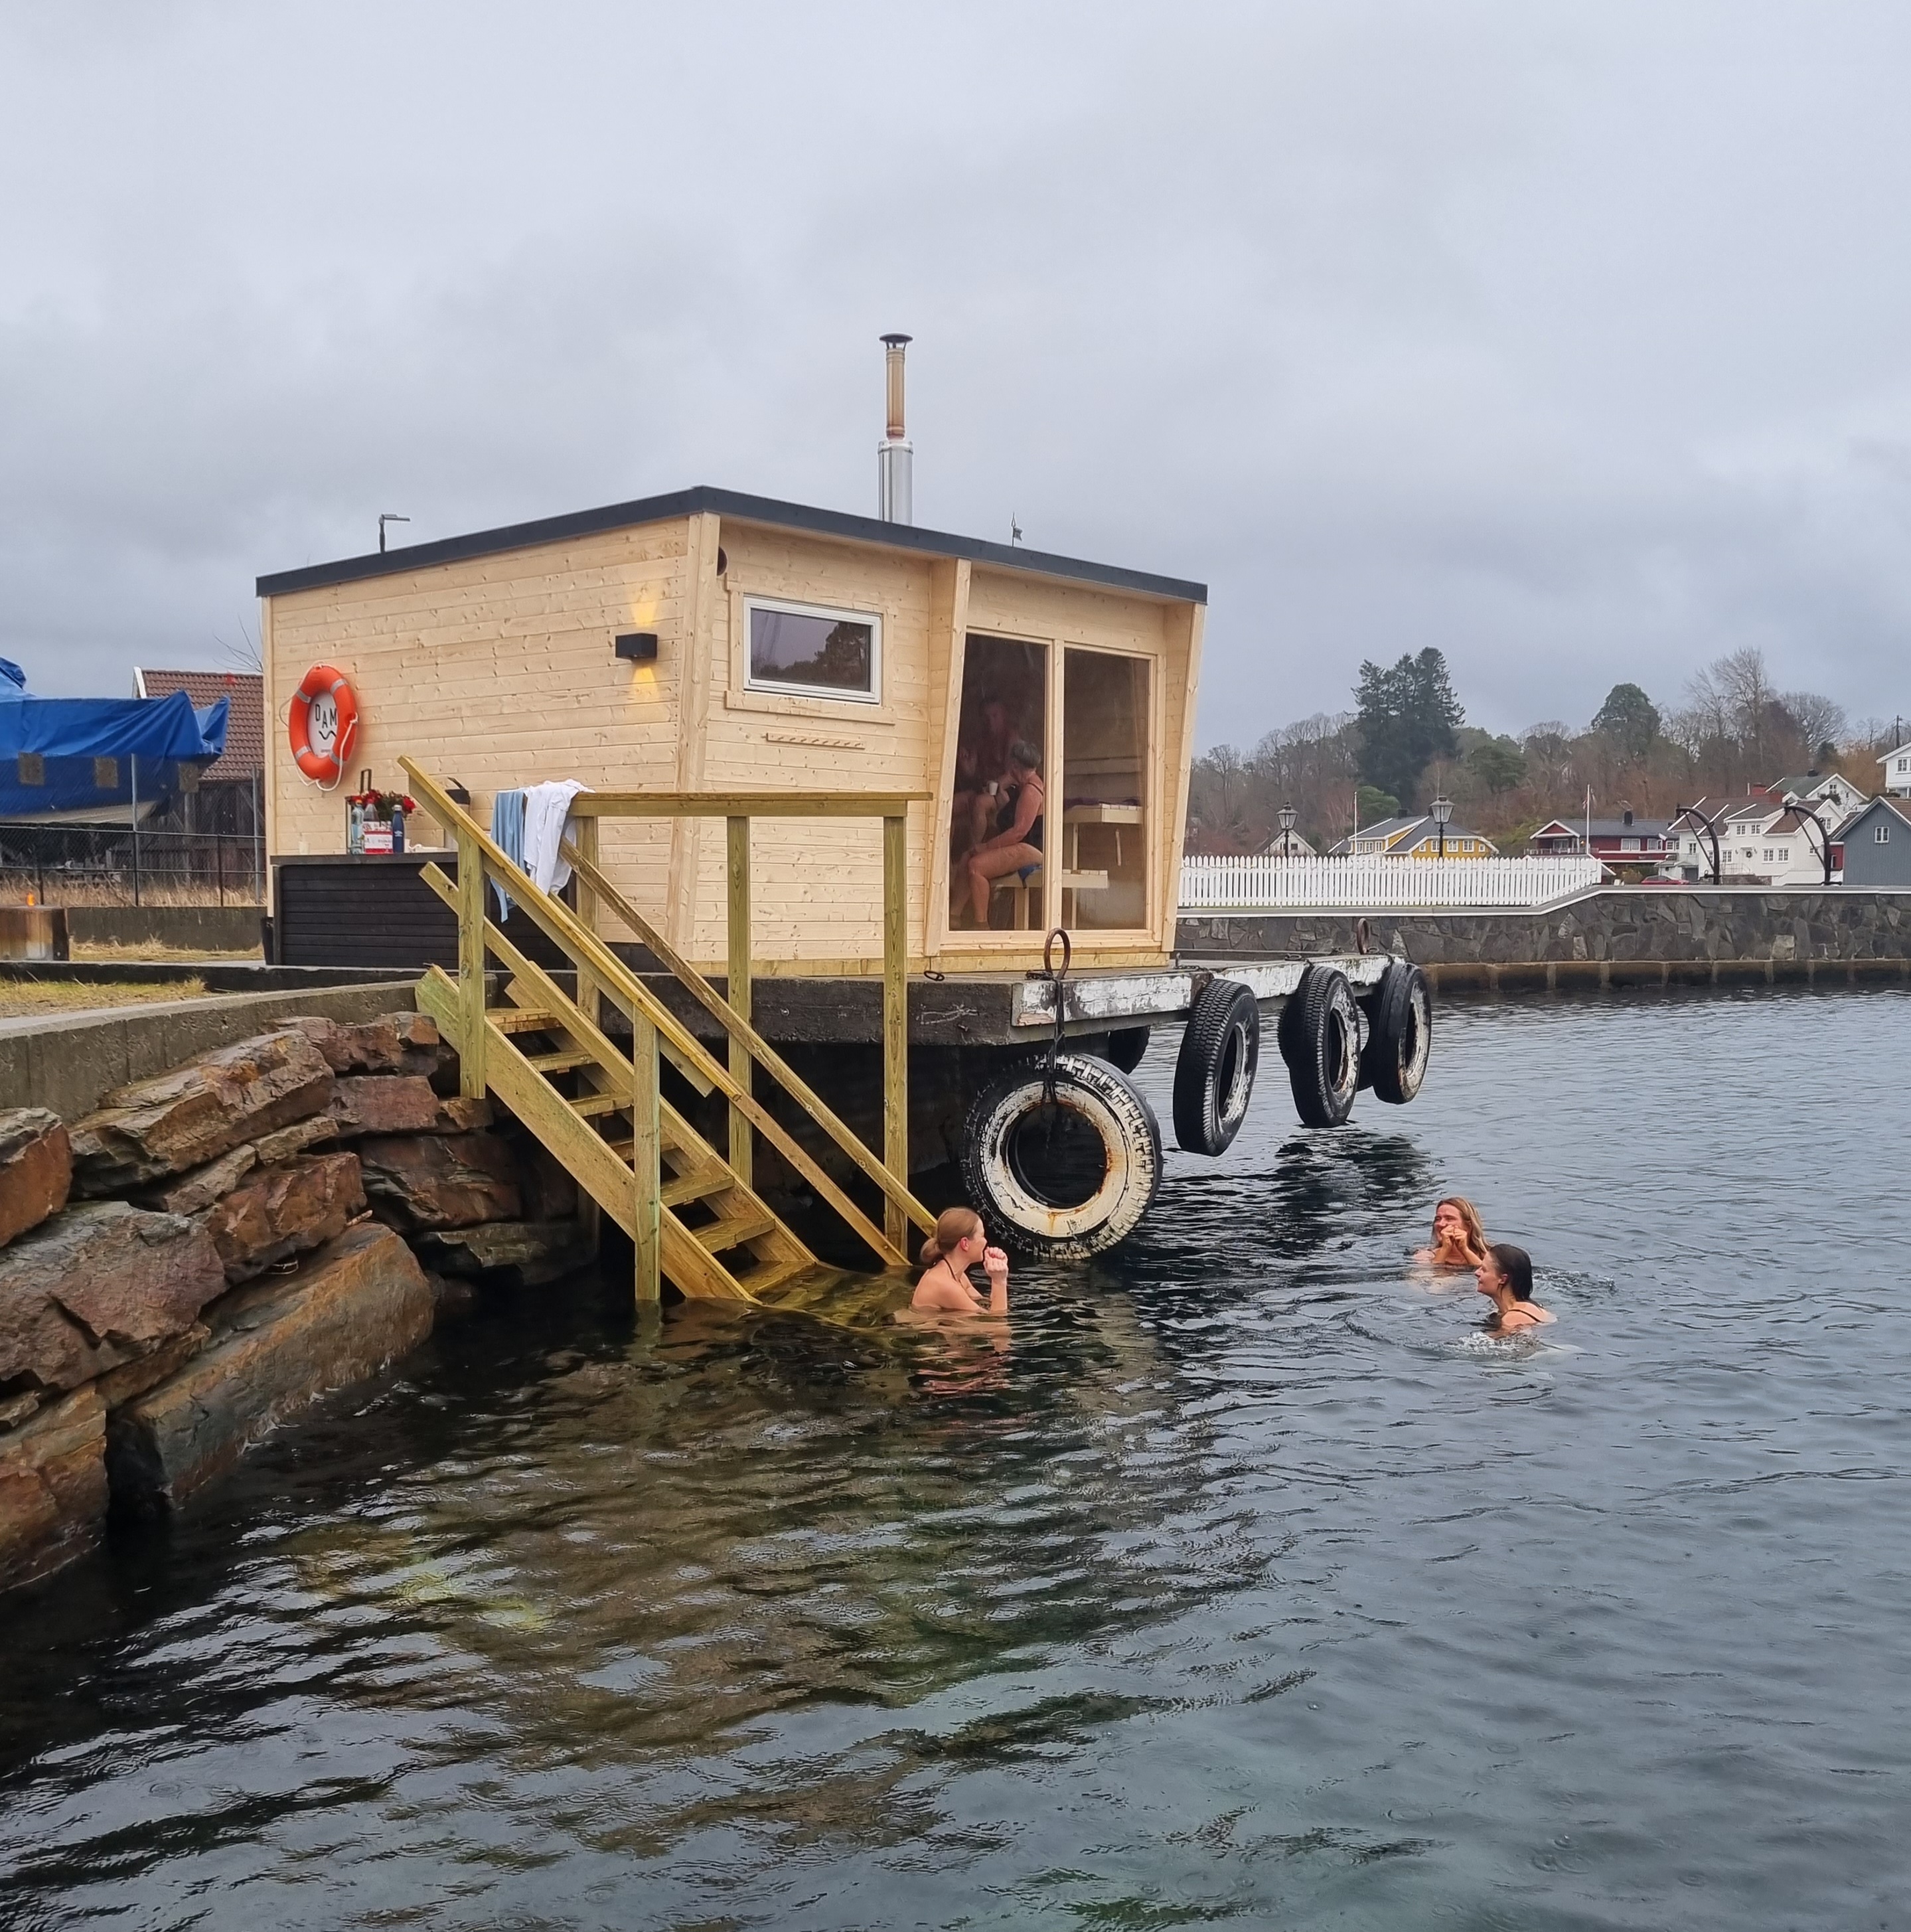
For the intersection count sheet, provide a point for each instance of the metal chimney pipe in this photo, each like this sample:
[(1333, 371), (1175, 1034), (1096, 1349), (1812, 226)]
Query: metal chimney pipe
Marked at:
[(894, 454)]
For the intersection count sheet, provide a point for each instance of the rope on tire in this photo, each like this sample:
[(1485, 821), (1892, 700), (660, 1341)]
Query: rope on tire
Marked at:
[(1055, 979)]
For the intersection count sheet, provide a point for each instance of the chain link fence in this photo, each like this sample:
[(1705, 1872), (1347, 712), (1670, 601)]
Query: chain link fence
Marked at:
[(115, 864)]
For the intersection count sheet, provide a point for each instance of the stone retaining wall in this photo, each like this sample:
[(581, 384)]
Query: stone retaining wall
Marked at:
[(1624, 937), (210, 1250), (67, 1064)]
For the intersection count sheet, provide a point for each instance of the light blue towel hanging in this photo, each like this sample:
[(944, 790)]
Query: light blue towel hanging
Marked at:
[(507, 835)]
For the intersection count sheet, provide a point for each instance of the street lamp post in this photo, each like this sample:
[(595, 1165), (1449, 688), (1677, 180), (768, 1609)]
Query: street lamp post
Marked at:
[(1442, 808), (1287, 816)]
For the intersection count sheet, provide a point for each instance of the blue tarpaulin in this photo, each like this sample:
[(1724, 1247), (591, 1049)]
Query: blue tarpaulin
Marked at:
[(68, 735)]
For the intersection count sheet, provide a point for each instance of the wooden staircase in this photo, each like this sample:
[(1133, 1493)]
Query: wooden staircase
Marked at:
[(689, 1207)]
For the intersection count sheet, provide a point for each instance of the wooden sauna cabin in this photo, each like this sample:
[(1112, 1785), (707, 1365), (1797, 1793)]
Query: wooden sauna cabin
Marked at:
[(706, 642)]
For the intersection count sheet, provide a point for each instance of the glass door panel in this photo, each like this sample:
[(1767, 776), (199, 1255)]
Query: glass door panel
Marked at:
[(1104, 821), (999, 819)]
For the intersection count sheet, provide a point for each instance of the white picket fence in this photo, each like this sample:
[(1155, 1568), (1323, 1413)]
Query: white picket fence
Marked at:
[(1264, 883)]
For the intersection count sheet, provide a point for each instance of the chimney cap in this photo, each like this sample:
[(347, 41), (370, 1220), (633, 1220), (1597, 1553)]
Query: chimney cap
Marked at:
[(896, 341)]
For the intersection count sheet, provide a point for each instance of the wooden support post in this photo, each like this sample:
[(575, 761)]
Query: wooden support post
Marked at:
[(471, 967), (590, 1216), (646, 1145), (738, 989), (896, 1017)]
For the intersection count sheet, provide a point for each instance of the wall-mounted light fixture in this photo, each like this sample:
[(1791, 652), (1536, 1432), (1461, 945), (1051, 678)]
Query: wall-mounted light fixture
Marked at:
[(637, 646)]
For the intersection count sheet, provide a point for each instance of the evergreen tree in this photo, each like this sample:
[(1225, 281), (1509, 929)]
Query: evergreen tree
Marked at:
[(1630, 720), (1408, 716)]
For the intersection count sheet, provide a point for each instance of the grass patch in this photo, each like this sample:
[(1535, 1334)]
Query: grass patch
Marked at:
[(22, 999), (110, 952)]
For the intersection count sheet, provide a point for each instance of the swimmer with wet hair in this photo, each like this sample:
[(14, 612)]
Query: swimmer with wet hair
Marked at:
[(960, 1244), (1505, 1277), (1460, 1236)]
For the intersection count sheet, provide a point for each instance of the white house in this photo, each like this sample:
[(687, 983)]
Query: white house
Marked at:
[(1762, 840), (1898, 771)]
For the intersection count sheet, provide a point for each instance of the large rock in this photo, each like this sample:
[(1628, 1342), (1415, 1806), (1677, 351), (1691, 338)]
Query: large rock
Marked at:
[(193, 1193), (191, 1116), (393, 1043), (36, 1169), (550, 1193), (384, 1103), (98, 1285), (53, 1487), (441, 1180), (283, 1211), (353, 1307), (294, 1140), (527, 1253)]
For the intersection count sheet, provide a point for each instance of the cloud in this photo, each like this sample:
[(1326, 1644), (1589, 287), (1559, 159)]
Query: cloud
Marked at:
[(1571, 341)]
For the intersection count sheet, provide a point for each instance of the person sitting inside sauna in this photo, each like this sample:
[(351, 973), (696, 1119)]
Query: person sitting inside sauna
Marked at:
[(1017, 845), (1505, 1277), (1460, 1236), (959, 1244), (981, 774)]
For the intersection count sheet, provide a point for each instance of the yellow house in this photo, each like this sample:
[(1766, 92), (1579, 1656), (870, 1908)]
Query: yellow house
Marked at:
[(706, 641), (1416, 838)]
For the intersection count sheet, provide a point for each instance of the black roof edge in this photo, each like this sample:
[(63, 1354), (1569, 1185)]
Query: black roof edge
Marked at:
[(745, 509)]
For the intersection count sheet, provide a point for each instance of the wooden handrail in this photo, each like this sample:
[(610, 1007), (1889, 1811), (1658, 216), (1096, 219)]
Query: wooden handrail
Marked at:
[(739, 1028), (616, 980), (739, 804)]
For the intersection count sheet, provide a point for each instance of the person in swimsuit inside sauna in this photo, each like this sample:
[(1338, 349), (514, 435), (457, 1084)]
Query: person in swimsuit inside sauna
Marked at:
[(1017, 845), (1505, 1277), (959, 1244), (1460, 1236)]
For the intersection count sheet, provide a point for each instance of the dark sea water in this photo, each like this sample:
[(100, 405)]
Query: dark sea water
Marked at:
[(1252, 1584)]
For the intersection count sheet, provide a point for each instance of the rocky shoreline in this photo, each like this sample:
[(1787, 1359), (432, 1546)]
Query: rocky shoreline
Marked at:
[(211, 1251)]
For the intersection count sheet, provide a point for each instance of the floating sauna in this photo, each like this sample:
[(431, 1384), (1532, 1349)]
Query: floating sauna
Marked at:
[(710, 641), (953, 698)]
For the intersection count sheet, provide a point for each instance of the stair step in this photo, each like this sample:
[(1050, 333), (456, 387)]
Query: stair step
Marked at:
[(587, 1106), (733, 1232), (767, 1275), (523, 1019), (562, 1063), (683, 1189)]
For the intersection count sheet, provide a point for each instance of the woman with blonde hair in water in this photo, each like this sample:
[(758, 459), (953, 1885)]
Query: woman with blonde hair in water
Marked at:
[(959, 1244), (1460, 1236)]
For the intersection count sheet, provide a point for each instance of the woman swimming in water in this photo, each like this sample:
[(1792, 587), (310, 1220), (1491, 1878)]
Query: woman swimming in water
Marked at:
[(959, 1244), (1460, 1237), (1505, 1276)]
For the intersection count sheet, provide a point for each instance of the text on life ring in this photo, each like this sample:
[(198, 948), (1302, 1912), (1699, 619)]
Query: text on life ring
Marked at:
[(323, 722)]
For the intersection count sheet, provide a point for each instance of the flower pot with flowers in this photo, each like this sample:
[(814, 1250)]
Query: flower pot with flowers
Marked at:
[(377, 821)]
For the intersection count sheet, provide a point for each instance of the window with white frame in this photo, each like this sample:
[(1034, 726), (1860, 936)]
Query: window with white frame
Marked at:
[(806, 650), (1881, 835)]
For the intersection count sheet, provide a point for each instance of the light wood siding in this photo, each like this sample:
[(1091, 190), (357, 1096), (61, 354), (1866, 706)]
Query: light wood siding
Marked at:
[(500, 671)]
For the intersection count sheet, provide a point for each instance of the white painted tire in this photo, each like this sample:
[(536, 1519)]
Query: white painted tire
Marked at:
[(1069, 1182)]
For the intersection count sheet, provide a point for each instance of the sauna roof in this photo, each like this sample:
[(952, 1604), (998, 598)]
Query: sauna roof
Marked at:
[(740, 508)]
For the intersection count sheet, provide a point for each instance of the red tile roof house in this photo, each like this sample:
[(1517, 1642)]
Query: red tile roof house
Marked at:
[(229, 797), (1624, 840)]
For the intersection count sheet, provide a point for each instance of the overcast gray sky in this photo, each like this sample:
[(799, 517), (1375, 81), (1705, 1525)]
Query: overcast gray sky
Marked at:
[(1573, 338)]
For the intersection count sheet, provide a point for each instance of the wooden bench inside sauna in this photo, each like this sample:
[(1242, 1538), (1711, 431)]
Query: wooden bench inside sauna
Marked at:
[(844, 777)]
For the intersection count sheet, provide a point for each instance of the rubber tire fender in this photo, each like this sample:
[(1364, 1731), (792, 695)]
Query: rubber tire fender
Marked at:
[(1099, 1096), (1400, 1033), (1214, 1073), (1320, 1036)]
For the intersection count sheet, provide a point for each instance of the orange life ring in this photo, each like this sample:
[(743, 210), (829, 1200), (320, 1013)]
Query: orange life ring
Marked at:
[(323, 721)]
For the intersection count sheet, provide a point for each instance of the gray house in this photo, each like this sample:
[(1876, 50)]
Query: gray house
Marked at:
[(1877, 844)]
